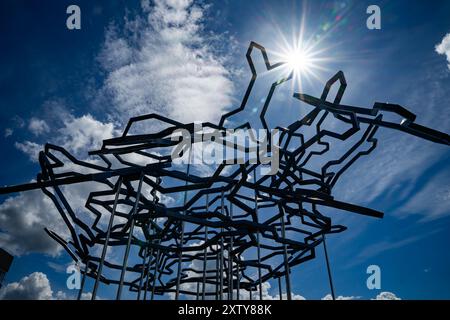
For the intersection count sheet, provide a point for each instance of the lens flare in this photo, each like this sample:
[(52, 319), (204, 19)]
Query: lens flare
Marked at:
[(298, 61)]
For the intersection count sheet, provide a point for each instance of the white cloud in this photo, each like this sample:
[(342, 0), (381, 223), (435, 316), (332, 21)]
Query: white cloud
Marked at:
[(444, 47), (31, 149), (23, 219), (36, 286), (386, 296), (8, 132), (329, 297), (84, 133), (78, 135), (38, 126), (166, 64)]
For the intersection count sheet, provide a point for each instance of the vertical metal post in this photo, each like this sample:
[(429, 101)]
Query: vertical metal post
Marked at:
[(151, 232), (205, 253), (180, 254), (286, 261), (238, 279), (217, 272), (230, 259), (258, 247), (330, 279), (108, 234), (127, 249), (155, 273), (221, 253), (147, 278), (83, 279), (144, 260), (280, 291)]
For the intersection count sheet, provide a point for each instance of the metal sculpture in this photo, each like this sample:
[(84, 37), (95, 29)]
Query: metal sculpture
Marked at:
[(234, 230)]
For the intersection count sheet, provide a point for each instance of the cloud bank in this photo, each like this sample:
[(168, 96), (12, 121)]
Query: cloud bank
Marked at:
[(444, 48)]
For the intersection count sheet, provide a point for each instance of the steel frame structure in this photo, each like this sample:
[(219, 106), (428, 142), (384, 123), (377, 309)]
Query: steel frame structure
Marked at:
[(234, 230)]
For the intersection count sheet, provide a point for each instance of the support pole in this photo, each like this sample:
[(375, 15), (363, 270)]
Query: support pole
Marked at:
[(83, 280), (180, 254), (130, 236), (108, 234), (258, 247), (330, 279), (205, 252), (286, 261)]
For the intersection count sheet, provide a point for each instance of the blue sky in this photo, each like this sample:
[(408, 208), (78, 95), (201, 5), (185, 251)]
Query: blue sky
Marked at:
[(55, 81)]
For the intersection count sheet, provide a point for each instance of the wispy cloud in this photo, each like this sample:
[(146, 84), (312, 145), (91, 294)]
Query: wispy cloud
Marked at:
[(389, 243), (444, 48), (8, 132), (393, 170), (432, 201), (166, 63), (38, 126), (31, 149)]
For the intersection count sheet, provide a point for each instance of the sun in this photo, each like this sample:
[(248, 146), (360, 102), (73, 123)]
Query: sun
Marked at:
[(298, 60), (301, 61)]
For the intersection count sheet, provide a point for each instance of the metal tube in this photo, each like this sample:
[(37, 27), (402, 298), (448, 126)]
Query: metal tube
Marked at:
[(130, 236), (230, 261), (144, 260), (217, 272), (151, 255), (205, 253), (238, 279), (155, 272), (286, 261), (330, 279), (105, 246), (258, 247), (83, 279), (180, 254), (280, 291), (221, 253)]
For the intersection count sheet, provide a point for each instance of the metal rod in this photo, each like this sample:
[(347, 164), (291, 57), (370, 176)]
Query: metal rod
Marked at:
[(151, 254), (230, 260), (280, 290), (180, 254), (217, 272), (108, 234), (221, 253), (83, 279), (205, 253), (238, 279), (144, 260), (155, 272), (258, 246), (286, 261), (330, 279), (147, 279), (130, 236)]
